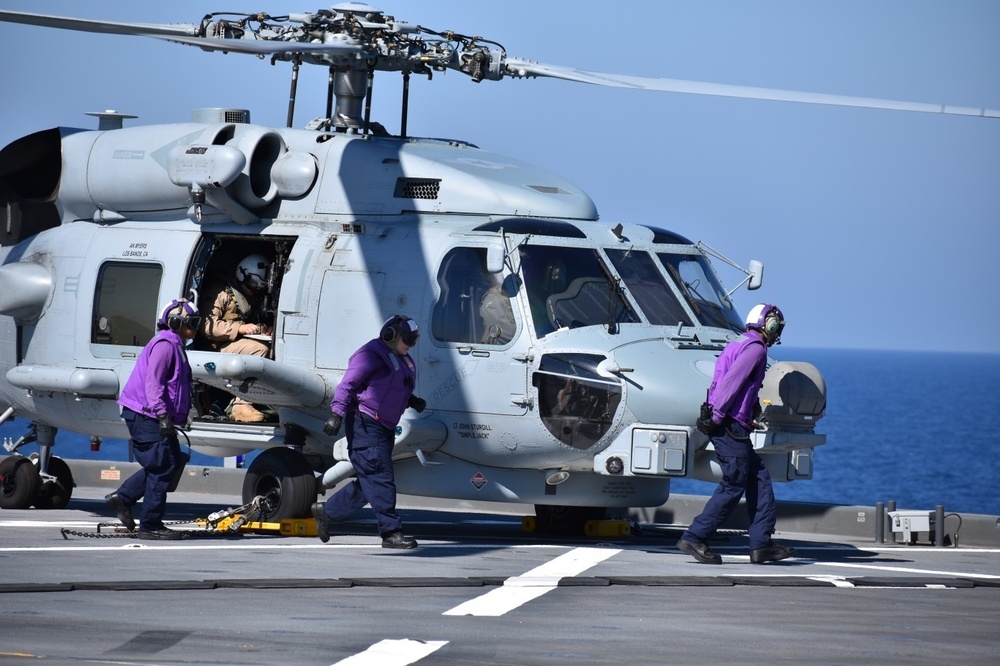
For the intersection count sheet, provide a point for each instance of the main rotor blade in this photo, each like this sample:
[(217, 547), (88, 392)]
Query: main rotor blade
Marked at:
[(525, 68), (108, 27), (181, 33), (262, 47)]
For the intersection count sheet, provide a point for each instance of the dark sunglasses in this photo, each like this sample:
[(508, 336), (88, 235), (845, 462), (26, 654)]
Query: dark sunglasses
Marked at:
[(410, 339)]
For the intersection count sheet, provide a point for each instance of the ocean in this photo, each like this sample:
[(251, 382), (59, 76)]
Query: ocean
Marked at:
[(917, 428), (909, 427)]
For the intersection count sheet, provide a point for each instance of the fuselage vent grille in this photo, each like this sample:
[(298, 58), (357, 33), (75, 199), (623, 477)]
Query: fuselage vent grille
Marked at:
[(417, 188)]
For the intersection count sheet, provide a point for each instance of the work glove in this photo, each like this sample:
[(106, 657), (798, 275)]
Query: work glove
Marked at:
[(167, 428), (332, 425), (707, 426), (419, 404), (705, 422)]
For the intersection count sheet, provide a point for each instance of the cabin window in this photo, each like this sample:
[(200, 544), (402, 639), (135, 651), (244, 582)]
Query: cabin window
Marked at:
[(474, 305), (125, 304)]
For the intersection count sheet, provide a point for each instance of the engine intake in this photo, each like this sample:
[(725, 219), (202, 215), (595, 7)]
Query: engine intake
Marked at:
[(793, 396)]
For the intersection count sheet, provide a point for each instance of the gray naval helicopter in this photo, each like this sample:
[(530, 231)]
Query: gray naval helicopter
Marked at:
[(563, 360)]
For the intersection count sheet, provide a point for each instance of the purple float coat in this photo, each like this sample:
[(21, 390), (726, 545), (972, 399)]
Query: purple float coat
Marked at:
[(739, 374), (160, 383), (378, 383)]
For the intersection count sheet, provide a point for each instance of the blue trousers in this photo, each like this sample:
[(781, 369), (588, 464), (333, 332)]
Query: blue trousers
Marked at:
[(742, 472), (370, 450), (159, 457)]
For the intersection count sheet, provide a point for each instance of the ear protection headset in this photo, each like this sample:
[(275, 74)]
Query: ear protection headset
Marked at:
[(399, 326), (767, 319), (180, 311)]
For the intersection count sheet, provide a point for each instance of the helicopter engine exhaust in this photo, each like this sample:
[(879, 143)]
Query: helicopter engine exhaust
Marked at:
[(116, 175)]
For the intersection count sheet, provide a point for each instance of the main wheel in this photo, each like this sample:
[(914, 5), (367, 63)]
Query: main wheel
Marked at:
[(285, 480), (19, 482), (566, 520), (55, 494)]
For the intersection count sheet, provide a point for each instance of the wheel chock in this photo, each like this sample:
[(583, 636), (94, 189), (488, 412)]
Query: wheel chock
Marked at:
[(607, 528), (305, 527), (591, 528)]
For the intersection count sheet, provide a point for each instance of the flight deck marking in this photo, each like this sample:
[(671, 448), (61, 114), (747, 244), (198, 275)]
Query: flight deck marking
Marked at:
[(959, 574), (393, 653), (533, 584), (270, 545), (836, 581)]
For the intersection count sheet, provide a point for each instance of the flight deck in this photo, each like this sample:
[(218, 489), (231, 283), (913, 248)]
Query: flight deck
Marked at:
[(478, 589)]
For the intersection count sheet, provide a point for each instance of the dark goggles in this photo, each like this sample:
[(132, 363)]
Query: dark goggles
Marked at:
[(410, 339), (175, 322)]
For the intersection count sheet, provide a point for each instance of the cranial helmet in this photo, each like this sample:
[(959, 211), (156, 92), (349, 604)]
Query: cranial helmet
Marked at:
[(252, 272), (399, 326), (178, 312), (767, 319)]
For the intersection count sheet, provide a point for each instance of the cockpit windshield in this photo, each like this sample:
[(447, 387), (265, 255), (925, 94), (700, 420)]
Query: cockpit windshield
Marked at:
[(569, 287), (649, 288), (702, 290)]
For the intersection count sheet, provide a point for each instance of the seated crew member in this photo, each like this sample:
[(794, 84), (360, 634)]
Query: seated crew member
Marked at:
[(232, 312)]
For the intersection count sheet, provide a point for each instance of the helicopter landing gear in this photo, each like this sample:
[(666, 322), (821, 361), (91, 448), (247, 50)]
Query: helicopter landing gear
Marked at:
[(566, 520), (54, 492), (40, 479), (19, 482), (286, 481)]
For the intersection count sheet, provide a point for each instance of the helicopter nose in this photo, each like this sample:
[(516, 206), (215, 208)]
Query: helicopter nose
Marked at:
[(663, 386)]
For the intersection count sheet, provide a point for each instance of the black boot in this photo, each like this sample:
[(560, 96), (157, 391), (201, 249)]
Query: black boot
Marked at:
[(770, 553), (398, 540), (699, 551), (322, 521), (123, 510)]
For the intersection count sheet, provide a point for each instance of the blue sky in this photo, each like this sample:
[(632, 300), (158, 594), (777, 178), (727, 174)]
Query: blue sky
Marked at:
[(877, 229)]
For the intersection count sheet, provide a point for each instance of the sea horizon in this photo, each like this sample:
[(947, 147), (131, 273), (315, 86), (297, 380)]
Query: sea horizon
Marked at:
[(901, 425)]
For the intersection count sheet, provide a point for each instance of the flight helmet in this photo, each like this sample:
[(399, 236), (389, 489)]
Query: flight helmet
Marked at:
[(177, 313), (399, 326), (252, 272), (767, 319)]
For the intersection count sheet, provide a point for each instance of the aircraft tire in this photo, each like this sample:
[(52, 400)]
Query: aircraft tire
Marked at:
[(287, 482), (55, 494), (565, 520), (19, 482)]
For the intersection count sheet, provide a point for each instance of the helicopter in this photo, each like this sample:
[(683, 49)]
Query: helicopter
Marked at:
[(563, 359)]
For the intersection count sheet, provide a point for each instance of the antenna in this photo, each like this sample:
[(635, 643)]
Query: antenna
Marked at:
[(110, 119)]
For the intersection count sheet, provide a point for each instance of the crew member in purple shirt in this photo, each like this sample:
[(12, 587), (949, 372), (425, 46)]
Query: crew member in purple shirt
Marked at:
[(157, 396), (369, 401), (732, 396)]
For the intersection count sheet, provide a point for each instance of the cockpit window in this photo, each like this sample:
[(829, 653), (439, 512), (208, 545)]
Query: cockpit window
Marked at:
[(569, 287), (474, 305), (702, 290), (649, 288)]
